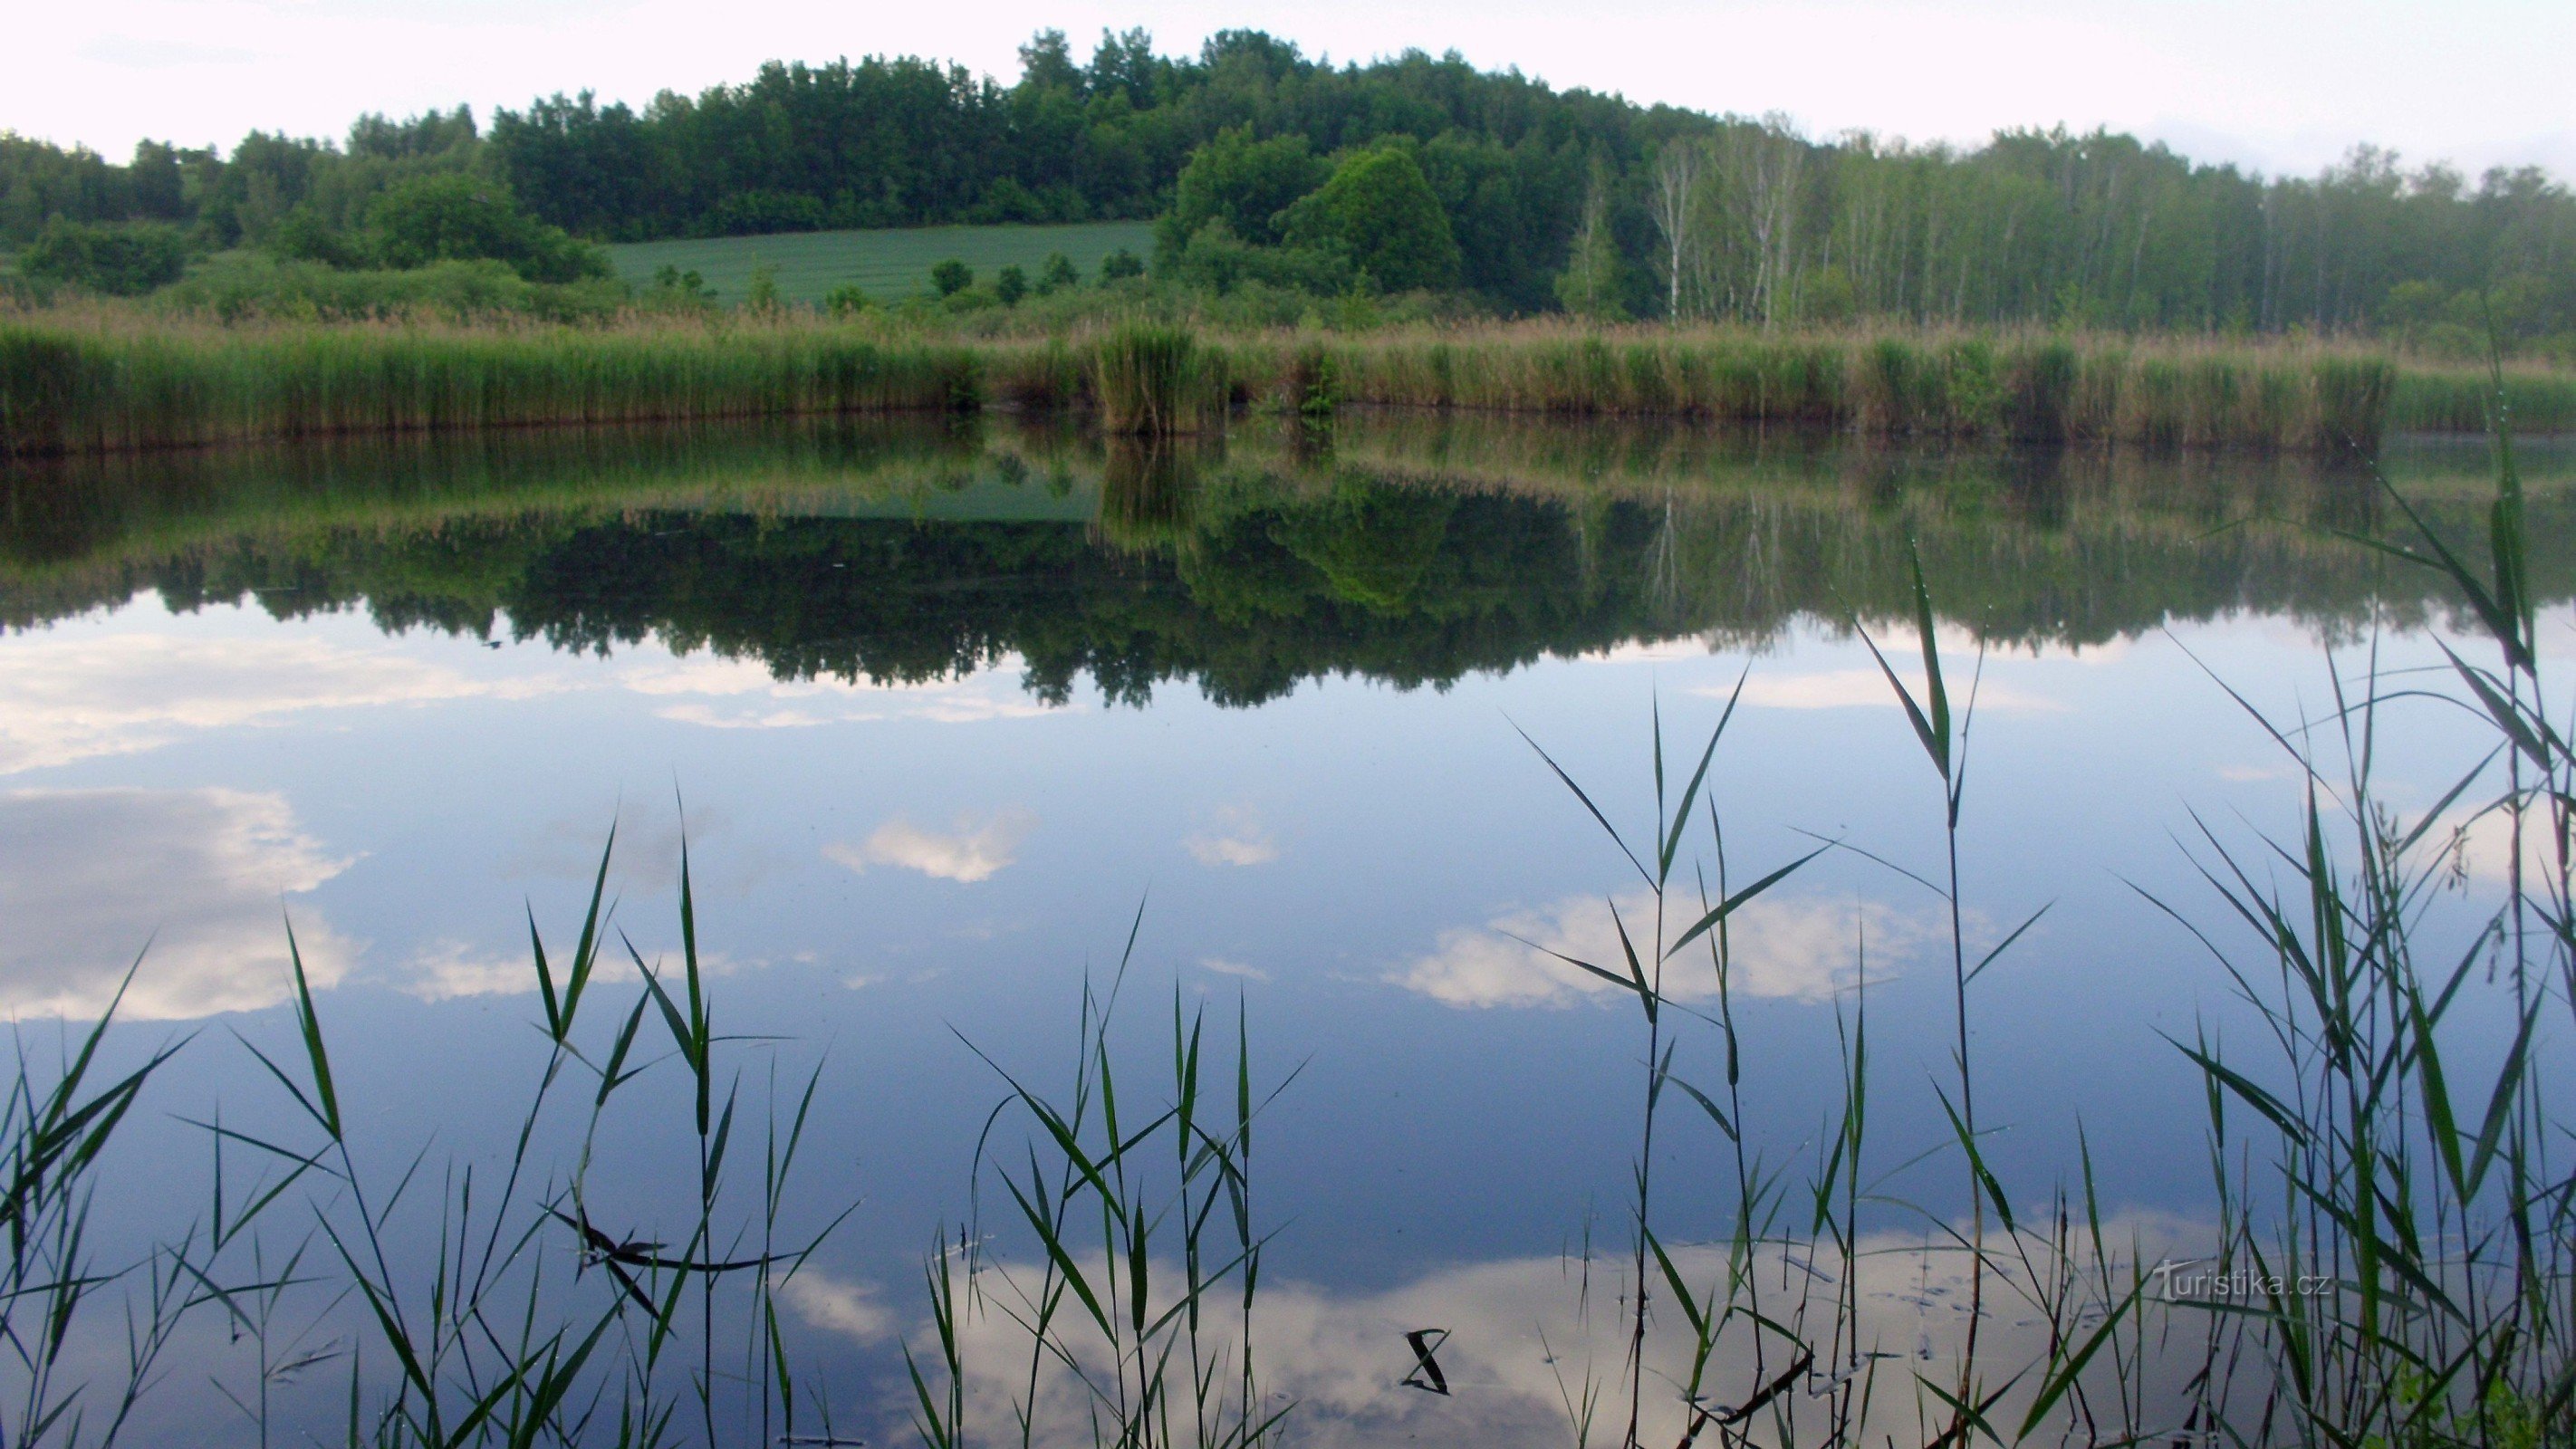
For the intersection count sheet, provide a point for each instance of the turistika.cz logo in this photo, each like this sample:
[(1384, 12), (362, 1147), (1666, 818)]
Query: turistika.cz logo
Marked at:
[(2177, 1285)]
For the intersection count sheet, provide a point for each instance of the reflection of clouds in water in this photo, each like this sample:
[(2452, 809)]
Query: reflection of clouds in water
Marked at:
[(1867, 689), (1804, 949), (66, 698), (1523, 1335), (742, 694), (445, 970), (84, 874), (2484, 846), (848, 1309), (1237, 838), (974, 851)]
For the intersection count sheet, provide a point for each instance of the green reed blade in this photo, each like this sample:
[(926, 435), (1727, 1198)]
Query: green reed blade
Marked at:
[(308, 1023), (1989, 958), (1598, 817), (1732, 903)]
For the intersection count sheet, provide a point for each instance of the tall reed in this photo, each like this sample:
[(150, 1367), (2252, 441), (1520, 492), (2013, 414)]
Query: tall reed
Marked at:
[(1157, 379), (1109, 1340), (109, 386), (107, 381)]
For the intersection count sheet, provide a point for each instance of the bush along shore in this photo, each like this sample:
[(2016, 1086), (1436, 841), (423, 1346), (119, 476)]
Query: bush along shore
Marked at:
[(106, 382)]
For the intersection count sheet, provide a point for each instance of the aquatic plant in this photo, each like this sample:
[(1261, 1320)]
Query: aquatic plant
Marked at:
[(1157, 379), (99, 379)]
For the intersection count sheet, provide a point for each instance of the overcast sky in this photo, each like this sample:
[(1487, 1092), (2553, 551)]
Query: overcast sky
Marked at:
[(2274, 84)]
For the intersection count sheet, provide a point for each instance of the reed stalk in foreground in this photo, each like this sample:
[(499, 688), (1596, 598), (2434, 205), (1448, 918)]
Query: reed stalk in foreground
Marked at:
[(2414, 1238), (1111, 1343), (1644, 978)]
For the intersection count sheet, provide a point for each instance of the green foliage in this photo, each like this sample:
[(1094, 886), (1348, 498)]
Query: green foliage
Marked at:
[(457, 218), (1010, 284), (1120, 266), (1771, 226), (1058, 274), (1379, 211), (763, 295), (848, 300), (237, 286), (1591, 286), (121, 260), (951, 277), (1246, 184), (1216, 260)]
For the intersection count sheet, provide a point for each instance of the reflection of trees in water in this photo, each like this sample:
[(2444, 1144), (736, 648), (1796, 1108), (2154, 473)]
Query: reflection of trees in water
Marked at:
[(1411, 553)]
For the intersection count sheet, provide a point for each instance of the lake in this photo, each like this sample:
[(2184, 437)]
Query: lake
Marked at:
[(943, 712)]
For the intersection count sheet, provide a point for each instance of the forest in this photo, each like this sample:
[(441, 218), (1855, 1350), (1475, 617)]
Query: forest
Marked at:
[(1267, 168)]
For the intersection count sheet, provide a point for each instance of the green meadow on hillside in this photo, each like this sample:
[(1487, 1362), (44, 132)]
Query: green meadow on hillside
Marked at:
[(890, 263)]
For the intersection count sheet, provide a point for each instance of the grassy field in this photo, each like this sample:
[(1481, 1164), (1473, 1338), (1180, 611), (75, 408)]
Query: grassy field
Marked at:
[(891, 263)]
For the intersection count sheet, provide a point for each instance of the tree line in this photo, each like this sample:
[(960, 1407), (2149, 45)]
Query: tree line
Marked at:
[(1271, 168)]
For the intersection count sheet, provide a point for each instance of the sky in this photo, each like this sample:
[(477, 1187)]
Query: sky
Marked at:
[(2276, 85)]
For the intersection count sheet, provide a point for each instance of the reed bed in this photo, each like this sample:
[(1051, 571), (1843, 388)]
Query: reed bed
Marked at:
[(1157, 378), (2033, 387), (109, 386), (102, 381)]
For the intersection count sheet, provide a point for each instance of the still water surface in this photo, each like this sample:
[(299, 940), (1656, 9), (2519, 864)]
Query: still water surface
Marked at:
[(940, 712)]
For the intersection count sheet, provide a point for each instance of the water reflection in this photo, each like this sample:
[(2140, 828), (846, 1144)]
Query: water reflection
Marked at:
[(1533, 1346), (1414, 552), (945, 704), (94, 877)]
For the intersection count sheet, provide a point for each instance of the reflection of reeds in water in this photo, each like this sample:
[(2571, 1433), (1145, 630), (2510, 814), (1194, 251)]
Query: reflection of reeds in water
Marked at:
[(1149, 491)]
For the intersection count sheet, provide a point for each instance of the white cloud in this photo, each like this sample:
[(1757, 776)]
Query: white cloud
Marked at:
[(86, 875), (1238, 839), (1223, 967), (1801, 949), (973, 851), (848, 1309), (67, 697), (721, 693)]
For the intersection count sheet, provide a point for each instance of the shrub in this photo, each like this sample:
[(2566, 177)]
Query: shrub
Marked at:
[(1379, 210), (1120, 265), (240, 285), (1216, 260), (951, 277), (1059, 274), (847, 300), (460, 218), (124, 260), (1011, 284)]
